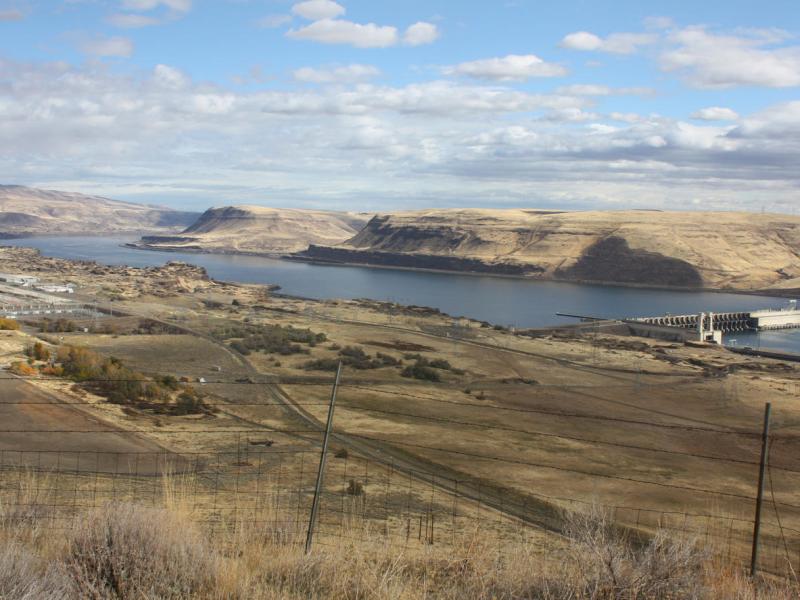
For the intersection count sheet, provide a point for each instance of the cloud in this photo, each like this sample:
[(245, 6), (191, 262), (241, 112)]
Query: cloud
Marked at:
[(170, 77), (144, 5), (421, 33), (132, 21), (590, 89), (443, 142), (513, 67), (715, 113), (709, 60), (616, 43), (344, 74), (9, 15), (108, 46), (273, 21), (340, 31), (316, 10)]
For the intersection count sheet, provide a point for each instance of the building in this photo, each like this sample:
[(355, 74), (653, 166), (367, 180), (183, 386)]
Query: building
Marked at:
[(25, 280)]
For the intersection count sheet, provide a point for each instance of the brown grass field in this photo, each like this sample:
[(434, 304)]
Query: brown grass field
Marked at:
[(520, 434)]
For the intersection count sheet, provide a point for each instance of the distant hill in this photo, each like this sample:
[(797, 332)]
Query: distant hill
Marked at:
[(32, 211), (741, 251), (260, 230)]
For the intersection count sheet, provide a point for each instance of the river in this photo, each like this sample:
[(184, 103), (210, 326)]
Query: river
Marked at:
[(499, 300)]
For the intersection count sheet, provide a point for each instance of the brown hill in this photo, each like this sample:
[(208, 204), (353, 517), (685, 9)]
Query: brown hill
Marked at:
[(260, 230), (742, 251), (31, 211)]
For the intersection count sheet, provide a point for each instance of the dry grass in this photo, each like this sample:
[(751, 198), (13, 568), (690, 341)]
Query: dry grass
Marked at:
[(127, 551)]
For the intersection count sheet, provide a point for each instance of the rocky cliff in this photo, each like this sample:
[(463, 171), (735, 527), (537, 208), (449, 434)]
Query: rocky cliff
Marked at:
[(722, 250)]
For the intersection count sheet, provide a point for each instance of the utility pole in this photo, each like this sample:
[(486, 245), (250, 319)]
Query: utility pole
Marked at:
[(760, 497), (318, 488)]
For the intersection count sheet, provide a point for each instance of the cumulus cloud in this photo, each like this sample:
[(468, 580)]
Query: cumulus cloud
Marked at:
[(616, 43), (513, 67), (108, 46), (715, 113), (436, 140), (710, 60), (343, 74), (316, 10), (327, 28), (420, 33), (11, 14), (340, 31)]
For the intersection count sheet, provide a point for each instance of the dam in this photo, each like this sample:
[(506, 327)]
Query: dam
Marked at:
[(728, 322)]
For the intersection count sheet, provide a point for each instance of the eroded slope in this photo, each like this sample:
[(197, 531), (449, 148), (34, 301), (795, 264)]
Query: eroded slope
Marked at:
[(684, 249)]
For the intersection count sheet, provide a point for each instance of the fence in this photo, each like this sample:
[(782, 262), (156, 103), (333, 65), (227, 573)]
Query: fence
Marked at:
[(268, 486)]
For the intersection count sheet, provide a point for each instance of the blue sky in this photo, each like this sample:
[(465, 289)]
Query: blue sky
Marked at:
[(385, 105)]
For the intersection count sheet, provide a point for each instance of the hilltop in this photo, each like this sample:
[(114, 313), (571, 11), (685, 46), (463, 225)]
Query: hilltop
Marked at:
[(260, 230), (719, 250), (31, 211)]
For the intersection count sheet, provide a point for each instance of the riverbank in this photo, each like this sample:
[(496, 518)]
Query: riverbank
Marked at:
[(488, 272)]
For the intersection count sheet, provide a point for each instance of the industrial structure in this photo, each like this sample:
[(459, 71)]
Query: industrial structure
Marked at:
[(711, 326)]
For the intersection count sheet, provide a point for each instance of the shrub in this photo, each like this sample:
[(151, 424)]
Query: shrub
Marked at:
[(58, 326), (132, 552), (440, 363), (53, 370), (23, 576), (8, 324), (421, 371), (354, 356), (388, 360), (322, 364), (38, 352), (355, 488), (271, 338), (23, 369)]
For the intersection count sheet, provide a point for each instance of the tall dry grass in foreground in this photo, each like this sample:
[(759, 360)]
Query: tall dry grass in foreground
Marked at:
[(128, 551)]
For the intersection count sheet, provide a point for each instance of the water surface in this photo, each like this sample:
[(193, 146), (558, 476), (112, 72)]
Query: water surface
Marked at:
[(505, 301)]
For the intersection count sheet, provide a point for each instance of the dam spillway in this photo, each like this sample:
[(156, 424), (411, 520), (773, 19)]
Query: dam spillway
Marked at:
[(727, 322)]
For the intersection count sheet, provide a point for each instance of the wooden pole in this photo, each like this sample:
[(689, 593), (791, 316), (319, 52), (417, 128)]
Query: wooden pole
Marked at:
[(760, 497), (323, 455)]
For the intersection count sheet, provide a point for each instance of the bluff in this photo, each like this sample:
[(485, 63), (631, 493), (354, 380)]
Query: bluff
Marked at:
[(260, 230), (31, 211), (718, 250)]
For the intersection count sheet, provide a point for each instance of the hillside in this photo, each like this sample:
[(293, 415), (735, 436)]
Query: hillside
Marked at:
[(742, 251), (31, 211), (260, 230)]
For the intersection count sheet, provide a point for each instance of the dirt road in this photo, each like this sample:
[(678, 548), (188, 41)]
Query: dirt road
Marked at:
[(37, 430)]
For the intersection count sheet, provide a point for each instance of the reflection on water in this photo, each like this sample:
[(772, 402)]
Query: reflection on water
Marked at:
[(505, 301)]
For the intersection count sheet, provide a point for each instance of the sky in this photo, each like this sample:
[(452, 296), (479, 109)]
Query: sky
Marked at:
[(372, 106)]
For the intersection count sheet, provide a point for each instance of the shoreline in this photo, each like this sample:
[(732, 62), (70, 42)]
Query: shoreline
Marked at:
[(583, 282)]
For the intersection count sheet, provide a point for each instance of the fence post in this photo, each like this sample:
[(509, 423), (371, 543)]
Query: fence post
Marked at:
[(323, 455), (760, 496)]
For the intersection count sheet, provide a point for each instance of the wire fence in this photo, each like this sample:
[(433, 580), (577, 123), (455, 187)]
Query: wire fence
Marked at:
[(370, 496), (270, 490)]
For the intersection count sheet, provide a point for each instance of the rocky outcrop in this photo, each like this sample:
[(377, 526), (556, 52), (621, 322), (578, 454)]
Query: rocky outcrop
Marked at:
[(413, 261), (722, 250)]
